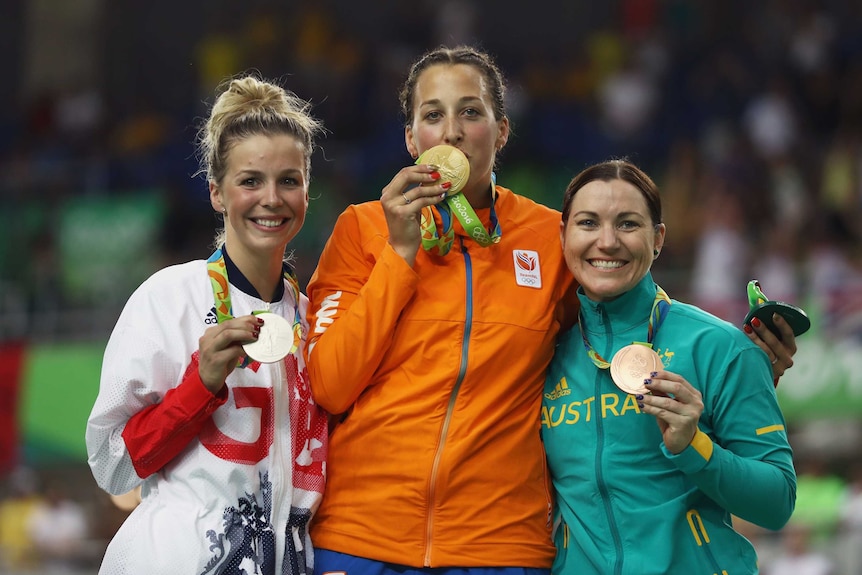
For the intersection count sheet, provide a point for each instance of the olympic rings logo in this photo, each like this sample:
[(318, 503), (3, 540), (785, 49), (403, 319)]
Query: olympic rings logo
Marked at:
[(480, 235)]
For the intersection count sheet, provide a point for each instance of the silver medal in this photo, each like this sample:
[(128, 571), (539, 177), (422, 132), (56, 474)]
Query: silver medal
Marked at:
[(275, 341)]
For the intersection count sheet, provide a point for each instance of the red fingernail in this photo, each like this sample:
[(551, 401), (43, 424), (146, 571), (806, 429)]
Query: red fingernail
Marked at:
[(446, 185), (755, 322), (435, 175), (259, 320), (747, 328)]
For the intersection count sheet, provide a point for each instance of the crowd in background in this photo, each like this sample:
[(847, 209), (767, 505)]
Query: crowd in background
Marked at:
[(748, 115)]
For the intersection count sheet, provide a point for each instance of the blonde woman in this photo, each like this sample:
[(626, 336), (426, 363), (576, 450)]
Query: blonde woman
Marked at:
[(204, 398)]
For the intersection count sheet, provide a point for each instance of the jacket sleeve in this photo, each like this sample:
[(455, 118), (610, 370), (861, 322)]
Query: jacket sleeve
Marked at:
[(139, 421), (159, 432), (746, 466), (356, 296)]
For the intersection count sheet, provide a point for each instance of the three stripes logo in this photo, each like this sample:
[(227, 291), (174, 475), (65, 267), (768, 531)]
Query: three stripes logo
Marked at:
[(560, 390)]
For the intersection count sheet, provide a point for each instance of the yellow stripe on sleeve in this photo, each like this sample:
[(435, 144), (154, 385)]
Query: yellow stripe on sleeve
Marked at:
[(702, 444), (769, 429)]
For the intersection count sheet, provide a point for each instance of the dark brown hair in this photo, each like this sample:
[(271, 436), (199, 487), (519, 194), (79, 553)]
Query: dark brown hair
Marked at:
[(616, 170), (459, 55)]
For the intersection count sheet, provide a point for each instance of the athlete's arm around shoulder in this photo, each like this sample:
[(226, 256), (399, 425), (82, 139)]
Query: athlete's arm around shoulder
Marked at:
[(356, 296), (745, 463)]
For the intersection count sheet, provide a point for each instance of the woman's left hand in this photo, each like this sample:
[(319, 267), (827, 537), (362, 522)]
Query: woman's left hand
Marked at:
[(676, 405), (780, 351)]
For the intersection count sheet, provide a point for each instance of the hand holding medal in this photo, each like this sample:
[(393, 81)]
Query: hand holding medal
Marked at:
[(451, 163), (632, 365), (453, 167), (276, 339)]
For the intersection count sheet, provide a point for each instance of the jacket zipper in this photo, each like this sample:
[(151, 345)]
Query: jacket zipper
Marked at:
[(600, 443), (546, 477), (276, 469), (462, 371)]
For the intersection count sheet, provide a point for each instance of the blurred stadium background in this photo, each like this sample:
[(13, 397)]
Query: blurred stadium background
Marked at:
[(747, 114)]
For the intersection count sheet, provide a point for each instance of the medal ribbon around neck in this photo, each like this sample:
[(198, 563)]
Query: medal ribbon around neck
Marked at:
[(218, 278), (659, 312), (440, 242)]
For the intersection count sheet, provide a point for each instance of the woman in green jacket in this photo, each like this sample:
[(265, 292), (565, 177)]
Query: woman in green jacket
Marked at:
[(660, 420)]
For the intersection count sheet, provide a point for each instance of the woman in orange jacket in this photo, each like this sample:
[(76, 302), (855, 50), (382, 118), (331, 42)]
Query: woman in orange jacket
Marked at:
[(434, 311)]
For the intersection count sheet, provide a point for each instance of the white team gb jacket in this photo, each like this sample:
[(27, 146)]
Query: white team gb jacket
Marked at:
[(249, 468)]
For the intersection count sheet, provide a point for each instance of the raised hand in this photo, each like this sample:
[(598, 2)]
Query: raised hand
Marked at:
[(221, 349)]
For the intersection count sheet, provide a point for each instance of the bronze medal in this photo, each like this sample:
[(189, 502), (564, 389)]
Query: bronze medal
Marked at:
[(633, 364), (275, 341)]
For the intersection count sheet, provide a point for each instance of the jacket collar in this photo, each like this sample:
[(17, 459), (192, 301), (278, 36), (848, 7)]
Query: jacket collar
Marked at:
[(629, 310), (238, 280)]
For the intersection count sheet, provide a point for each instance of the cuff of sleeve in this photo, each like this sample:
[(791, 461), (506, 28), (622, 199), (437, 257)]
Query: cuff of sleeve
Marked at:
[(694, 457), (157, 433), (197, 398), (398, 266)]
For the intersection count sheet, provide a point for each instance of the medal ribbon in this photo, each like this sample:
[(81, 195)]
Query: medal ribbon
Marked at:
[(224, 311), (440, 242), (659, 312)]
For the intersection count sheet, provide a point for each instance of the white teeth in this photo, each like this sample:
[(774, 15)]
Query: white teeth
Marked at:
[(269, 223), (604, 264)]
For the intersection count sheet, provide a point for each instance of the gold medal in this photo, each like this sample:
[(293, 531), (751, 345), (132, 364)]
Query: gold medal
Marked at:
[(632, 365), (274, 342), (451, 163)]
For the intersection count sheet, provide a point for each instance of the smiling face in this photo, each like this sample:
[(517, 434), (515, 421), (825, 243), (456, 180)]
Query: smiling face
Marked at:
[(452, 105), (264, 196), (609, 238)]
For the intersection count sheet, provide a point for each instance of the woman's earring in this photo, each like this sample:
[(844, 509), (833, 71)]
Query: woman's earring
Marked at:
[(655, 253)]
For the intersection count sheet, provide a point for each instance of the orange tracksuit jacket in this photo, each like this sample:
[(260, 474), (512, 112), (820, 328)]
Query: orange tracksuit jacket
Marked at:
[(438, 370)]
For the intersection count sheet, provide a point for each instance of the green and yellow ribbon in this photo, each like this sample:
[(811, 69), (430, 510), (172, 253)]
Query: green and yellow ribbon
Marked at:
[(440, 241), (660, 307), (217, 272)]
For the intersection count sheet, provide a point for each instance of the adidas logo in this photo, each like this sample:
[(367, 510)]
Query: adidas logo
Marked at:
[(561, 390), (211, 318)]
